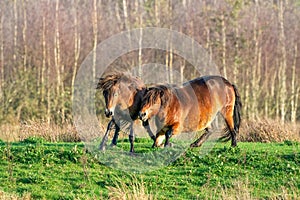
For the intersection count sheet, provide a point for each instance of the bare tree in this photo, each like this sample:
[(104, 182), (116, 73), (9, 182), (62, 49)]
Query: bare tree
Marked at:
[(256, 64), (15, 31), (283, 63), (24, 34), (294, 89), (1, 56), (58, 65), (223, 29), (76, 48), (95, 34)]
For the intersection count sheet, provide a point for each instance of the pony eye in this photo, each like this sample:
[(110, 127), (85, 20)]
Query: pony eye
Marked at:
[(116, 94)]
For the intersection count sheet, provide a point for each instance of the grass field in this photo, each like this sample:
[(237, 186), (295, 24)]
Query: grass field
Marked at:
[(36, 169)]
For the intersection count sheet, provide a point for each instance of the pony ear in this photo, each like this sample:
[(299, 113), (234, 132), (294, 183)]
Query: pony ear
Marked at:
[(161, 93), (131, 86), (163, 97)]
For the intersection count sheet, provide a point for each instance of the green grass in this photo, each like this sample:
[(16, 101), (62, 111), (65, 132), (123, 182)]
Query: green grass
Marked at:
[(67, 171)]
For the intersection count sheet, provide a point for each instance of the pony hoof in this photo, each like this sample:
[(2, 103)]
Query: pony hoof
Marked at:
[(102, 148), (193, 145), (113, 145), (153, 138), (169, 145), (132, 154)]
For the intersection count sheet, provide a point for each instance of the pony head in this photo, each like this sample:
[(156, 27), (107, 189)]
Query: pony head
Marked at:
[(154, 100), (118, 91)]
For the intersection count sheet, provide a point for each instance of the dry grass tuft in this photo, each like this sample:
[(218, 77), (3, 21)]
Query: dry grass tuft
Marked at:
[(240, 190), (267, 130), (243, 190), (135, 190), (6, 196), (52, 132)]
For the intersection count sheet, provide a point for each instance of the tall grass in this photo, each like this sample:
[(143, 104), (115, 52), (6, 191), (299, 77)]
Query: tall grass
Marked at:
[(265, 130), (268, 130), (6, 196), (134, 190), (50, 132), (244, 191)]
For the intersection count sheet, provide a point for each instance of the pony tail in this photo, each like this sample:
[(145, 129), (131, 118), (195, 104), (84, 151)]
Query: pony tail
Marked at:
[(237, 109)]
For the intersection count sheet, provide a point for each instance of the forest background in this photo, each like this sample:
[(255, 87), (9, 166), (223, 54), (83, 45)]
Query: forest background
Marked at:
[(43, 43)]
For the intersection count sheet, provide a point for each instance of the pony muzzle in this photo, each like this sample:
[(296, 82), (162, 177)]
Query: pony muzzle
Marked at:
[(143, 116), (108, 113)]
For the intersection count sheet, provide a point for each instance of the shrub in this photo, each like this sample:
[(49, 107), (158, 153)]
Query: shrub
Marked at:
[(267, 130)]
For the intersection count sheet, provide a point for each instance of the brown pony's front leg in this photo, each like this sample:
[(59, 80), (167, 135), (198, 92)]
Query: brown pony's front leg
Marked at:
[(168, 135), (160, 136), (105, 137), (131, 139), (148, 129), (116, 135)]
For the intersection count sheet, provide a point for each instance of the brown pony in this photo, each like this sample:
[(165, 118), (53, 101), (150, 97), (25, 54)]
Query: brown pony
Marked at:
[(123, 98), (193, 107)]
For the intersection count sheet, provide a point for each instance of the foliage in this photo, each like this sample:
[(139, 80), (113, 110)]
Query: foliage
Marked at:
[(40, 58), (66, 171), (22, 100)]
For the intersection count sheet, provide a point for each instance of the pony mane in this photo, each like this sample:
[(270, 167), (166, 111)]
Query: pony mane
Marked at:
[(108, 81), (158, 91)]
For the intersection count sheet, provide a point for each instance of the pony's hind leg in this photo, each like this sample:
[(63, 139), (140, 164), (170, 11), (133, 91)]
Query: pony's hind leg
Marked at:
[(202, 138), (228, 117)]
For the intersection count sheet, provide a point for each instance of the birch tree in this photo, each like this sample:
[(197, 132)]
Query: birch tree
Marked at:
[(1, 56), (283, 62), (294, 88), (76, 48), (24, 33), (15, 31)]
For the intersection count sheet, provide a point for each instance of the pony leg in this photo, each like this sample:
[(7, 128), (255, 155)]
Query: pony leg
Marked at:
[(228, 116), (168, 135), (148, 129), (116, 135), (131, 139), (105, 137), (160, 136), (202, 138)]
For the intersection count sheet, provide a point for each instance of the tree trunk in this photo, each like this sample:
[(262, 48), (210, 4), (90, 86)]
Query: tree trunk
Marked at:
[(95, 33), (223, 27), (140, 48), (125, 15), (15, 31), (58, 66), (283, 63), (42, 92), (48, 93), (294, 92), (157, 12), (76, 49), (255, 73), (1, 57), (139, 19), (24, 34)]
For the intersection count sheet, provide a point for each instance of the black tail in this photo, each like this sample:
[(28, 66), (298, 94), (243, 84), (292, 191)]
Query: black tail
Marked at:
[(237, 110)]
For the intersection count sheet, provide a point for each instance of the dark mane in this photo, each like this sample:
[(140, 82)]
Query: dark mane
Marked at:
[(108, 81), (157, 91)]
